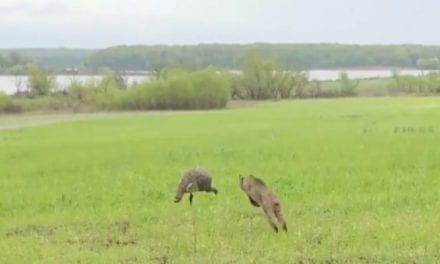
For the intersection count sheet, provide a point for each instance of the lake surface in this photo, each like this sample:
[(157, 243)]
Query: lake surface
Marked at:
[(9, 83)]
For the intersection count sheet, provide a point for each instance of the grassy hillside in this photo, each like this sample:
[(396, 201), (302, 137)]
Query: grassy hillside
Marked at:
[(358, 180)]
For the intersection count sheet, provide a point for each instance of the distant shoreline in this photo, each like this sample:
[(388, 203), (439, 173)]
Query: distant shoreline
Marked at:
[(148, 73)]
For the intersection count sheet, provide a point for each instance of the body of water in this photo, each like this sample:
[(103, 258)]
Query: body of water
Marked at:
[(327, 75), (10, 84)]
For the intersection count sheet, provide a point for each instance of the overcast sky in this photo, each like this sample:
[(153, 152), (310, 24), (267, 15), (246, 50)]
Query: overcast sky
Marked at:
[(104, 23)]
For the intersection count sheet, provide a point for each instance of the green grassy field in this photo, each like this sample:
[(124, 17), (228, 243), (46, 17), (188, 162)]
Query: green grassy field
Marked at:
[(358, 179)]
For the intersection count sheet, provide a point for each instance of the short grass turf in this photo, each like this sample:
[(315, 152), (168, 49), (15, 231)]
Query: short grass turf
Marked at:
[(358, 181)]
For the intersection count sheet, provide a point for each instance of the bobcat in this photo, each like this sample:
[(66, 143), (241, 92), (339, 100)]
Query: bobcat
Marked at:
[(260, 195)]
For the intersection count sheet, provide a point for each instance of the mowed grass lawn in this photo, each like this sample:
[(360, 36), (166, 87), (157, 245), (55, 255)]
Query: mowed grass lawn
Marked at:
[(358, 180)]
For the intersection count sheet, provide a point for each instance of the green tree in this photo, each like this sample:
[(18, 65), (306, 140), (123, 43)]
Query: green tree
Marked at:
[(114, 79), (236, 84), (259, 76), (300, 81), (264, 79), (347, 86), (40, 82)]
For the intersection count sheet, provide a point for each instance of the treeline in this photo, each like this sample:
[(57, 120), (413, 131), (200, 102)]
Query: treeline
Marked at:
[(420, 85), (14, 61), (173, 88), (182, 88), (289, 56), (58, 59), (227, 56)]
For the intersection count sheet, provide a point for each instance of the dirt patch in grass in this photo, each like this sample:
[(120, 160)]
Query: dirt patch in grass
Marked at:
[(117, 234), (31, 230)]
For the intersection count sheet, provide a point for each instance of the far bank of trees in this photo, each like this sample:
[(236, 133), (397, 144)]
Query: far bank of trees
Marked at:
[(223, 56), (289, 56), (13, 63)]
